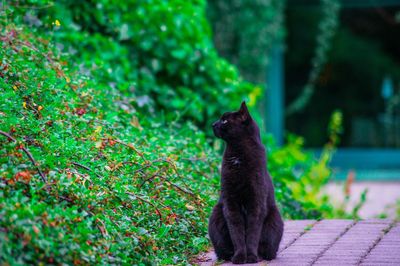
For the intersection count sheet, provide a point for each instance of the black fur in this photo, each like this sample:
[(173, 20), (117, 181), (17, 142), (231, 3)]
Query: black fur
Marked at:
[(245, 225)]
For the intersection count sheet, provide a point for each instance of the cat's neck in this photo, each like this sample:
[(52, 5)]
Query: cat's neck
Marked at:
[(243, 146)]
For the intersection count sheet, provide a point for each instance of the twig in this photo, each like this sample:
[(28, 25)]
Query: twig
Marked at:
[(42, 175), (117, 226), (178, 187), (131, 147), (33, 7), (148, 165), (86, 168), (148, 202), (82, 175), (66, 199), (28, 44), (82, 166), (102, 229), (151, 177), (169, 182), (47, 186), (194, 159), (181, 189), (188, 191), (173, 165)]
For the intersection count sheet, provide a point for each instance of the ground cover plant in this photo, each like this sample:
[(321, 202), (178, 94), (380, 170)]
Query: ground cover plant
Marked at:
[(108, 188), (94, 169)]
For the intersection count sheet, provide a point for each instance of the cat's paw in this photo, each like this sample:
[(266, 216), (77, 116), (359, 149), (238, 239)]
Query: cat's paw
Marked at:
[(252, 258), (239, 258)]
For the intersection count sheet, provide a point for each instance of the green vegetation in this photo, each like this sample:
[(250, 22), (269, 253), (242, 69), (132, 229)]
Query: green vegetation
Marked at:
[(342, 77), (115, 187), (159, 51), (104, 158), (245, 31)]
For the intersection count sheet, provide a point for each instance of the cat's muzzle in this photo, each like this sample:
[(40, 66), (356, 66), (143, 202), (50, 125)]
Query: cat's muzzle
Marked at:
[(217, 129)]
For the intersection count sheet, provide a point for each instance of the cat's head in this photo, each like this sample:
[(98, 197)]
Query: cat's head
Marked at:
[(234, 125)]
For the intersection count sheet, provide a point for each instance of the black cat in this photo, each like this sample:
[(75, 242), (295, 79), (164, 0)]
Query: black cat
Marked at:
[(245, 225)]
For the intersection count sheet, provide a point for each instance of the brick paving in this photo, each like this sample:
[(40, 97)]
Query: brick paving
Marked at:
[(333, 242)]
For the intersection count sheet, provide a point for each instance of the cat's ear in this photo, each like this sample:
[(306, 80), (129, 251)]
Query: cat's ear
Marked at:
[(244, 112)]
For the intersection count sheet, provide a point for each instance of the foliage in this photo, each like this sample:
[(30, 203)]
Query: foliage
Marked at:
[(170, 66), (115, 188), (297, 175), (301, 178), (351, 79), (87, 176), (245, 31), (327, 28)]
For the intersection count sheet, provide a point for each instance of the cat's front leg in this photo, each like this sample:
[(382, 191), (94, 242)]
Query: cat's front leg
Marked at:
[(253, 233), (236, 226)]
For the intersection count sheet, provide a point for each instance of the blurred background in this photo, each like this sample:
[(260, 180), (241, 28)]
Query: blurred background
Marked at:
[(325, 56)]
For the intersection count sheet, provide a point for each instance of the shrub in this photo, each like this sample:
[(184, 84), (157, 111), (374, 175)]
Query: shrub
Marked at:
[(159, 51), (117, 190), (88, 177)]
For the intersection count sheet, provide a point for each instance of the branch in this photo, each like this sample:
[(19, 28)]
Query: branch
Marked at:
[(151, 177), (82, 166), (66, 199), (42, 175), (169, 182), (102, 228), (149, 164), (81, 175), (194, 159), (148, 202), (86, 168), (131, 147), (176, 172), (178, 187), (33, 7)]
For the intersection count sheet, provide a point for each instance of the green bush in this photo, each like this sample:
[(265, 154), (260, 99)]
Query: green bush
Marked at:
[(107, 183), (160, 51), (117, 190)]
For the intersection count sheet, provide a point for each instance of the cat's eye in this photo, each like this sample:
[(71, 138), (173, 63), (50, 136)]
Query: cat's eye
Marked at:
[(224, 121)]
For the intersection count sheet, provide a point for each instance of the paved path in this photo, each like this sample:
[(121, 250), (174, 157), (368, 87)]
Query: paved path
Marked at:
[(334, 242)]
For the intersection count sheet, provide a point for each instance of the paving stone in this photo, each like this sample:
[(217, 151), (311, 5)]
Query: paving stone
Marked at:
[(338, 262), (293, 230), (334, 242), (376, 221), (381, 264), (356, 242), (387, 250), (290, 261), (314, 242)]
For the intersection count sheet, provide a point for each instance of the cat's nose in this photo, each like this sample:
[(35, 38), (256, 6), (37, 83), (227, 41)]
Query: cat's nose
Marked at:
[(214, 124)]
